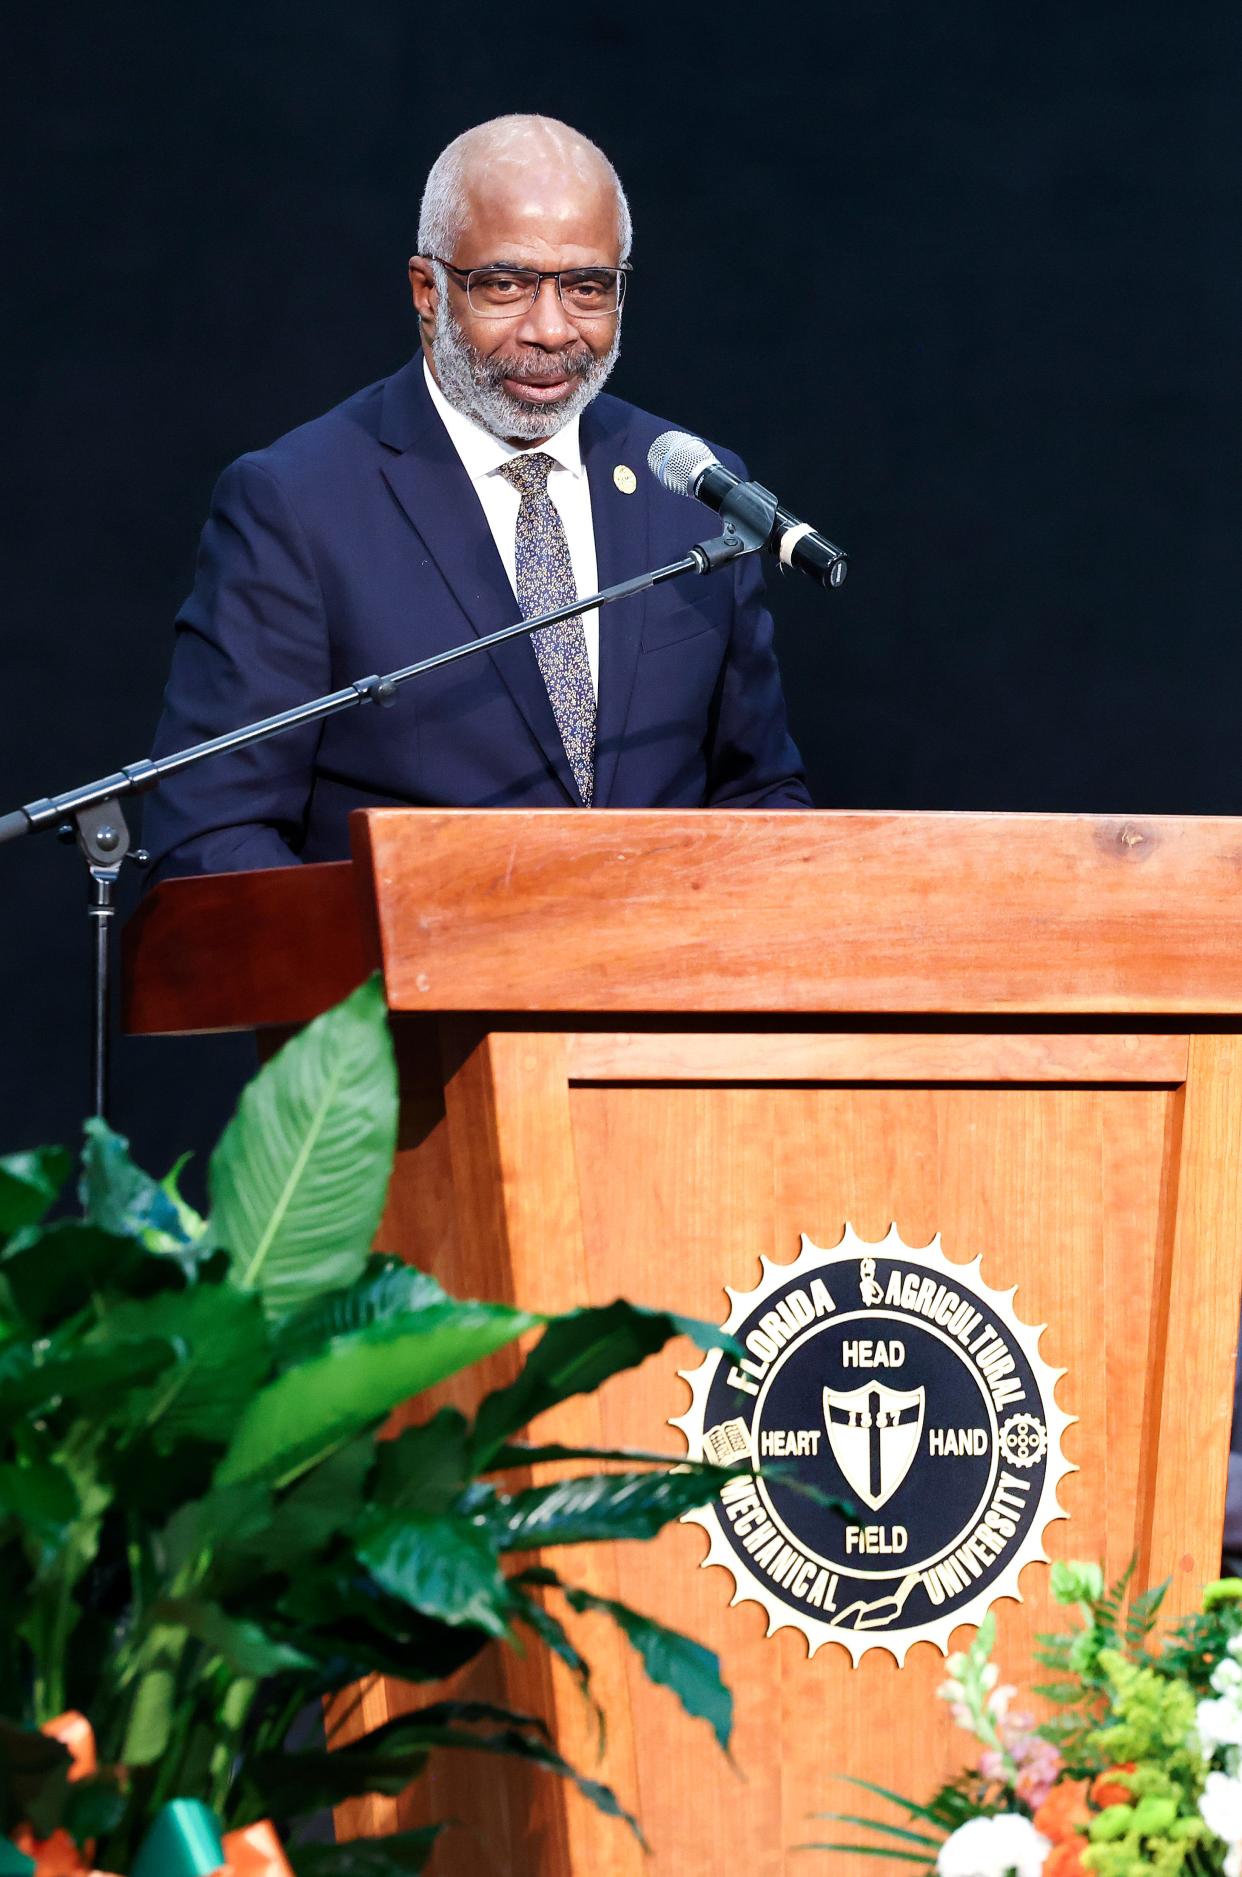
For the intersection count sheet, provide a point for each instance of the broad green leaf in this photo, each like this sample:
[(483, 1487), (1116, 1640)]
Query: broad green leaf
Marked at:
[(386, 1760), (67, 1548), (46, 1615), (119, 1197), (193, 1225), (94, 1806), (1072, 1581), (54, 1272), (152, 1483), (512, 1744), (310, 1410), (386, 1289), (291, 1784), (18, 1358), (243, 1645), (49, 1805), (227, 1521), (30, 1761), (41, 1499), (299, 1177), (671, 1659), (322, 1504), (458, 1713), (425, 1468), (442, 1567), (150, 1717), (575, 1354), (396, 1856), (519, 1453), (40, 1790), (29, 1184), (352, 1628), (220, 1336), (85, 1376), (546, 1625), (598, 1507), (552, 1633)]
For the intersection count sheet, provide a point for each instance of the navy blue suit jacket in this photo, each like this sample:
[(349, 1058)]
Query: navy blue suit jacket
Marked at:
[(357, 544)]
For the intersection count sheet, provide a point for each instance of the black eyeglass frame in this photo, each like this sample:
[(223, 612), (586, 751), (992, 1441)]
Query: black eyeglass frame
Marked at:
[(465, 275)]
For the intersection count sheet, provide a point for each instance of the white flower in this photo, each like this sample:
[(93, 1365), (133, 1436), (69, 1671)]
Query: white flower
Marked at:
[(991, 1847), (999, 1700), (1220, 1808), (1218, 1724), (1227, 1676)]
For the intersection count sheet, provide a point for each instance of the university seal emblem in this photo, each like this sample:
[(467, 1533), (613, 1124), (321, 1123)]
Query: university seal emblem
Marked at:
[(886, 1376)]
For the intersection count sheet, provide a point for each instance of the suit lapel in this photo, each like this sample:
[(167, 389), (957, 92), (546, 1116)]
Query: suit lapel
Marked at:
[(622, 536), (426, 476)]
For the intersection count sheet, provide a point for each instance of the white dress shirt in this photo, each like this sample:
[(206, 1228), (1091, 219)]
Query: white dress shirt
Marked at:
[(482, 456)]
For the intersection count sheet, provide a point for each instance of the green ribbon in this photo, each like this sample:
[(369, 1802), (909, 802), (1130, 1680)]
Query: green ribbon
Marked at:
[(184, 1841)]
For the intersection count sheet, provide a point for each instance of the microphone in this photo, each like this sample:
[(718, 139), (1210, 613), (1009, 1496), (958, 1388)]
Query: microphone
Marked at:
[(686, 465)]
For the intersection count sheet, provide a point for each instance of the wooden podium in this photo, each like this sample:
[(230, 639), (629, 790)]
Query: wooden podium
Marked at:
[(639, 1051)]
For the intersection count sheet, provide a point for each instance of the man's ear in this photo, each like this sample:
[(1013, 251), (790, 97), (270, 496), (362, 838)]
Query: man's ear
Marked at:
[(423, 289)]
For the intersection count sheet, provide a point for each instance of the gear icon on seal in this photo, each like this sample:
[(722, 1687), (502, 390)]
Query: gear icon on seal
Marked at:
[(1023, 1440)]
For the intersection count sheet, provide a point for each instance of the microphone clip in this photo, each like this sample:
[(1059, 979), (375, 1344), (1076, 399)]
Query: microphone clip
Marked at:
[(749, 512)]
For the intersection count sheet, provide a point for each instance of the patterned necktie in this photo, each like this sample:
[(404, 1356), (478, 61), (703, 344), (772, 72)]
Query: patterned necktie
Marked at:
[(544, 581)]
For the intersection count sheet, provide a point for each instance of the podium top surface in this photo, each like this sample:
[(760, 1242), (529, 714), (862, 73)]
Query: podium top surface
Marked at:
[(711, 913)]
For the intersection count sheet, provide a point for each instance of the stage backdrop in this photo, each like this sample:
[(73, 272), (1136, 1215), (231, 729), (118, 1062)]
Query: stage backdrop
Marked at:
[(962, 284)]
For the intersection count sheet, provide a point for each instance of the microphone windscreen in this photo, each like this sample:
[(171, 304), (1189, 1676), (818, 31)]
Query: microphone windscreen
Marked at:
[(678, 460)]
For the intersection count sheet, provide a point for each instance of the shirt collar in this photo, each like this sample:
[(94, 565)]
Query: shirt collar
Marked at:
[(482, 454)]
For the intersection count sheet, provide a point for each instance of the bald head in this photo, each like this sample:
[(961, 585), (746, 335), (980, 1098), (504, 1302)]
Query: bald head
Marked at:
[(536, 169)]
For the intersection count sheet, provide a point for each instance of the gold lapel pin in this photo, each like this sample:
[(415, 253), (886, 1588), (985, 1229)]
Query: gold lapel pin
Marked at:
[(625, 479)]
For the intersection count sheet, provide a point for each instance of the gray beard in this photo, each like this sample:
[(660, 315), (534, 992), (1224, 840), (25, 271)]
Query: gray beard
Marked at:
[(473, 384)]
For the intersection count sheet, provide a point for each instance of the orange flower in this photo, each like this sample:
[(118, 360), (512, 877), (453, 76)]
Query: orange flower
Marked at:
[(256, 1852), (57, 1856), (1107, 1789), (1065, 1859), (1062, 1811)]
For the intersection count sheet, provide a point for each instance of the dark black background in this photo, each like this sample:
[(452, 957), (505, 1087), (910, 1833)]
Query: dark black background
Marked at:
[(961, 281)]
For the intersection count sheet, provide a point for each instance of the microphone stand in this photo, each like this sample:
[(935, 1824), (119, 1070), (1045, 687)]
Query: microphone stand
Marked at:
[(91, 816)]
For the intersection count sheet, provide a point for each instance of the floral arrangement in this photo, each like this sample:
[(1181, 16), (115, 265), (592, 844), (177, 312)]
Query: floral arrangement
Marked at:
[(1139, 1771)]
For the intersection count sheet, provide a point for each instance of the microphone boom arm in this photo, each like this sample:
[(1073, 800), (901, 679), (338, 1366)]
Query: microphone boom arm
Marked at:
[(139, 777), (91, 815)]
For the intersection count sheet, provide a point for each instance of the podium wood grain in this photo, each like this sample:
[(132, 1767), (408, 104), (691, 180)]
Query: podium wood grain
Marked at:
[(806, 913), (640, 1051)]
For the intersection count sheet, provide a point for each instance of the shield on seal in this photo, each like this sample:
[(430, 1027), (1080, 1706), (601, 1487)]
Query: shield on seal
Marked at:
[(874, 1433)]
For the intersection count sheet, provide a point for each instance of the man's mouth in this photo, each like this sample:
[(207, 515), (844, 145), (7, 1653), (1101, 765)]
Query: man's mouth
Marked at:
[(539, 390), (526, 392)]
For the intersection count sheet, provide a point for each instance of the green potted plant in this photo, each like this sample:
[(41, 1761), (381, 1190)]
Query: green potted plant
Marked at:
[(202, 1531)]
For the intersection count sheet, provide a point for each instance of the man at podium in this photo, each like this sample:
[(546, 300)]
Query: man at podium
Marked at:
[(486, 479)]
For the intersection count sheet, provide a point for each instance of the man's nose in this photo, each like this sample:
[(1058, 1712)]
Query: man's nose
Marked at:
[(545, 324)]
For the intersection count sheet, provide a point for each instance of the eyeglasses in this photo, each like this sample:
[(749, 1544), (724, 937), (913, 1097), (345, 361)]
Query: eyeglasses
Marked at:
[(500, 292)]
